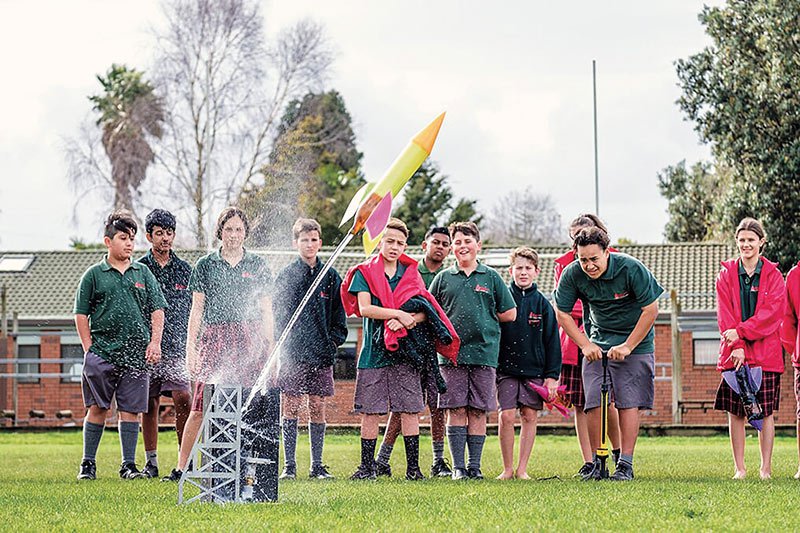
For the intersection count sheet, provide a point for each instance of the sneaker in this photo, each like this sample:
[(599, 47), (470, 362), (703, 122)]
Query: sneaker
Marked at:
[(596, 472), (150, 470), (129, 471), (460, 473), (585, 470), (289, 472), (383, 469), (474, 473), (88, 470), (624, 472), (364, 473), (441, 468), (175, 475), (414, 474), (320, 472)]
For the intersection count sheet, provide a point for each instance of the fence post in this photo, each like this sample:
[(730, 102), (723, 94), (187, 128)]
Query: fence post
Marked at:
[(677, 381)]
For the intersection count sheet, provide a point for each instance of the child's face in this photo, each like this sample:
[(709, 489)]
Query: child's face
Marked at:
[(466, 248), (593, 260), (393, 244), (308, 244), (120, 247), (436, 247), (161, 239), (233, 233), (524, 272), (749, 243)]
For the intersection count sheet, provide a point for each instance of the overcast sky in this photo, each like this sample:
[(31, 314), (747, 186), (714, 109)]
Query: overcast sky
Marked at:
[(515, 78)]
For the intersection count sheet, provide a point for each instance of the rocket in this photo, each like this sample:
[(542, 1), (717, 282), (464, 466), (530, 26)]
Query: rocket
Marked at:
[(372, 204)]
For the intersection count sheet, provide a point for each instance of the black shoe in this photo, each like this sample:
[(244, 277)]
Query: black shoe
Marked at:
[(596, 473), (615, 457), (414, 474), (624, 472), (460, 473), (441, 468), (474, 473), (383, 469), (129, 471), (585, 470), (88, 470), (175, 475), (289, 472), (150, 470), (320, 472), (364, 473)]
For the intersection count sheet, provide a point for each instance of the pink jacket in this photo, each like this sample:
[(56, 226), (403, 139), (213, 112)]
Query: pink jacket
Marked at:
[(758, 335), (788, 331)]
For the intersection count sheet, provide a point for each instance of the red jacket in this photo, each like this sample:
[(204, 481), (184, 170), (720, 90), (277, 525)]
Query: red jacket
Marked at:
[(758, 335), (788, 331), (410, 285)]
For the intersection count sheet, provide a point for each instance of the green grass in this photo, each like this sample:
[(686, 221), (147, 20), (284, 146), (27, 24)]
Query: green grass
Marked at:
[(682, 484)]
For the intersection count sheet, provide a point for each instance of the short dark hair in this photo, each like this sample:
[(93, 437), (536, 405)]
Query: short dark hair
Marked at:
[(227, 214), (120, 221), (302, 225), (465, 228), (589, 236), (399, 225), (159, 217), (436, 229)]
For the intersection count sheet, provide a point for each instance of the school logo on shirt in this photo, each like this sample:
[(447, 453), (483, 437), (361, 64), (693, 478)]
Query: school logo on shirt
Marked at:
[(139, 285), (179, 287), (481, 288), (620, 295), (247, 274), (534, 319), (754, 288), (324, 295)]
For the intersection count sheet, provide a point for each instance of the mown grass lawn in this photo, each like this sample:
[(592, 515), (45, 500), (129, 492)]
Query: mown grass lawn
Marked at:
[(682, 484)]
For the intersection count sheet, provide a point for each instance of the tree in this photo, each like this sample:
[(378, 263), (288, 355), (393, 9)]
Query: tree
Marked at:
[(426, 201), (524, 217), (131, 115), (743, 93), (465, 211), (314, 170), (691, 196), (224, 89)]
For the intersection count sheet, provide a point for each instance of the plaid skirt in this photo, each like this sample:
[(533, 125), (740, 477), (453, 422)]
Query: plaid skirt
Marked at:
[(769, 396), (572, 377), (232, 353)]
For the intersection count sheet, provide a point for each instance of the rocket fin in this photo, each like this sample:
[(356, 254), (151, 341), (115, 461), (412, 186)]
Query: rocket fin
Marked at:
[(354, 204)]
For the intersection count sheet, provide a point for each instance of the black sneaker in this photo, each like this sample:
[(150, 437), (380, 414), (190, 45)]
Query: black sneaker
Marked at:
[(414, 474), (150, 470), (474, 473), (364, 473), (88, 470), (585, 470), (460, 473), (129, 471), (595, 474), (383, 469), (624, 472), (441, 468), (289, 472), (320, 472), (175, 475)]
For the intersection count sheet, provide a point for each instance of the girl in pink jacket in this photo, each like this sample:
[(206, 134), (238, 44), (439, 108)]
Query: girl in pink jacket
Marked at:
[(790, 338)]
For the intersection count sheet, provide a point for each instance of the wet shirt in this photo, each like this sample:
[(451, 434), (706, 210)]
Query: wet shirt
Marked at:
[(427, 275), (472, 304), (748, 289), (615, 299), (119, 307), (373, 354), (173, 279), (232, 293)]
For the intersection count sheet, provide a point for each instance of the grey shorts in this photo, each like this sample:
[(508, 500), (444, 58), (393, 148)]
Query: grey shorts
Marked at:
[(469, 386), (632, 381), (102, 382), (297, 379), (391, 389), (513, 392), (169, 375)]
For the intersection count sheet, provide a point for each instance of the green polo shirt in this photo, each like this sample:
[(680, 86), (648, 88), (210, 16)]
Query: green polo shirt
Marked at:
[(373, 355), (232, 293), (427, 275), (119, 307), (472, 304), (615, 299), (748, 289)]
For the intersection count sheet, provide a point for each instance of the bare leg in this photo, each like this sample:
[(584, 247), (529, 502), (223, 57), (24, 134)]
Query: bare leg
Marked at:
[(394, 427), (437, 425), (506, 432), (476, 421), (97, 415), (582, 432), (736, 430), (629, 429), (457, 417), (316, 409), (527, 436), (369, 426), (593, 424), (190, 432), (766, 440), (409, 423), (797, 475), (150, 425), (182, 401)]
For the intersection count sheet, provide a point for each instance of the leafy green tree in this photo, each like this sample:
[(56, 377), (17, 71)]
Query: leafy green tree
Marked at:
[(465, 211), (691, 195), (426, 201), (743, 95)]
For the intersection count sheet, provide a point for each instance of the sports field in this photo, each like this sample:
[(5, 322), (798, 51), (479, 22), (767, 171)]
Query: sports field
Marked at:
[(682, 484)]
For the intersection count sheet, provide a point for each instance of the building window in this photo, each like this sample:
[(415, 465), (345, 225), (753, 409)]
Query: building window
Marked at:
[(28, 351), (74, 369), (706, 350)]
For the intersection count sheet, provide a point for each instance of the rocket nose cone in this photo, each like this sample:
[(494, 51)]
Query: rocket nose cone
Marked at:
[(425, 138)]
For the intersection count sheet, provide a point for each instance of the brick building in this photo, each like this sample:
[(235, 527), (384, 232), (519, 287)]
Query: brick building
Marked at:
[(40, 288)]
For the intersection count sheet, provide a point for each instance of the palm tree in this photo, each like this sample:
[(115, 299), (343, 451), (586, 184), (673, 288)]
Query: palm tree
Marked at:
[(129, 111)]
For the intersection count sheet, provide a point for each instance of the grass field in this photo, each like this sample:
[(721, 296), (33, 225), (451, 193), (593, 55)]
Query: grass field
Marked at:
[(682, 484)]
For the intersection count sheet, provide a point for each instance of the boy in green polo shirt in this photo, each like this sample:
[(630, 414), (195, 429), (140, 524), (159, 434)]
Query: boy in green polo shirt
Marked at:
[(623, 304), (119, 315), (476, 300)]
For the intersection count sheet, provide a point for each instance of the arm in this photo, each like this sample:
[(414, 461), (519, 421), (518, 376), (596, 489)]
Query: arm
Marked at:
[(82, 325), (552, 343), (153, 351), (769, 311), (377, 312), (193, 331), (507, 316), (591, 351), (640, 331), (789, 324), (338, 318)]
